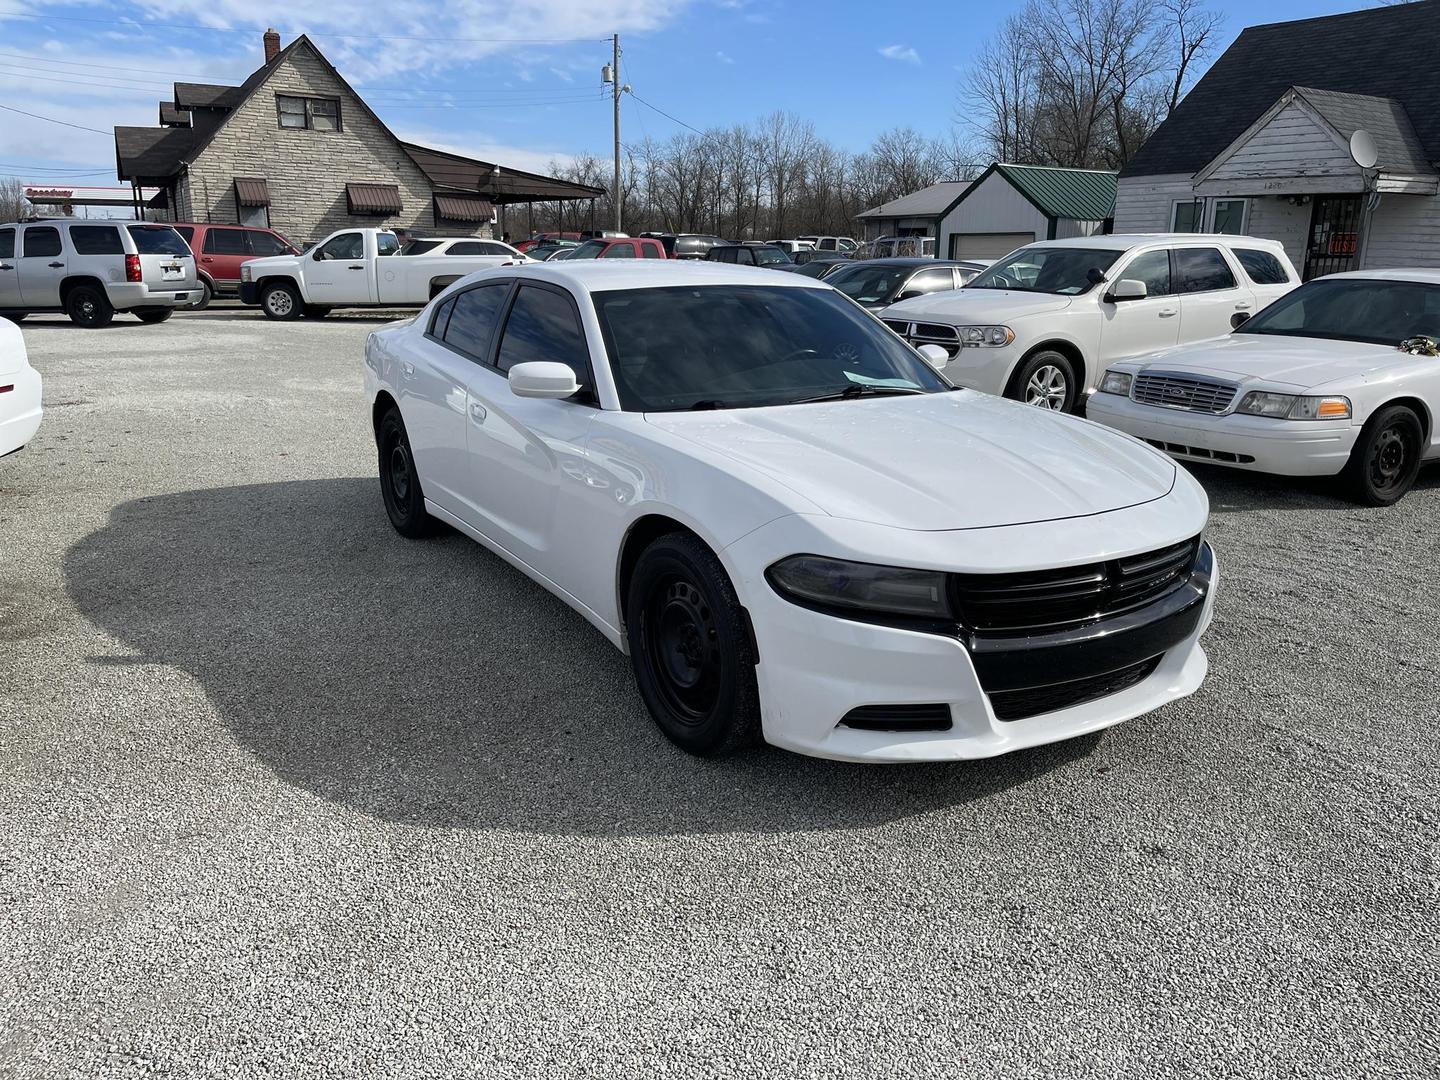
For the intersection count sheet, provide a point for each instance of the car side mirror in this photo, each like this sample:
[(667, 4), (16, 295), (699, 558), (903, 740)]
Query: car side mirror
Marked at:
[(319, 256), (1127, 289), (543, 379), (935, 356)]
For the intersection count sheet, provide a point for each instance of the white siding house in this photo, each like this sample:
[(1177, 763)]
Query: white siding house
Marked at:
[(1310, 134)]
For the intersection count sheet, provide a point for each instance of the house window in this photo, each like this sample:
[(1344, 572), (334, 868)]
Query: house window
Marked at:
[(1188, 216), (1216, 216), (314, 114), (1230, 216)]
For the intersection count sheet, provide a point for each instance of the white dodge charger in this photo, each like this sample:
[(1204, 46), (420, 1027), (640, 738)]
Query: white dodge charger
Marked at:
[(794, 526), (19, 391), (1338, 378)]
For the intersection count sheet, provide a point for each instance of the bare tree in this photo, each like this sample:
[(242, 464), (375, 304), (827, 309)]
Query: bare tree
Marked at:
[(1193, 31), (13, 204)]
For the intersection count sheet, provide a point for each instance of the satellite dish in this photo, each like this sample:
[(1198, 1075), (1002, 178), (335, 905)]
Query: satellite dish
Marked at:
[(1363, 149)]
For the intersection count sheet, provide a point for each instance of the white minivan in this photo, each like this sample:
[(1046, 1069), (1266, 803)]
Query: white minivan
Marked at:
[(1042, 324), (92, 269)]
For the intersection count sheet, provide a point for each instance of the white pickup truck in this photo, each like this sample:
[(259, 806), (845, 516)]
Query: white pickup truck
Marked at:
[(363, 268)]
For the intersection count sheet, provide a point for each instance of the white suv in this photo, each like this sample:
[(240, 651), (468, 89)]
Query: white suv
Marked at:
[(91, 269), (1043, 323)]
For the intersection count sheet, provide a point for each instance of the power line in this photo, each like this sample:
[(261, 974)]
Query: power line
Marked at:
[(52, 120), (667, 116), (53, 170), (139, 26)]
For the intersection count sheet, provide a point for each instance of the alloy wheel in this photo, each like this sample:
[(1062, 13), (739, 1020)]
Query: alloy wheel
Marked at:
[(1047, 388)]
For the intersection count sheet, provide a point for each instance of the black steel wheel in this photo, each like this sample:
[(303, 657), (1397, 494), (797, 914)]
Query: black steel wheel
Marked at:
[(1386, 458), (690, 647), (400, 480), (88, 306)]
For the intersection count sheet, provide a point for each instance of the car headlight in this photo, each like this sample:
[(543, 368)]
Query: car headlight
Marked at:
[(990, 337), (1293, 407), (245, 272), (1116, 382), (844, 586)]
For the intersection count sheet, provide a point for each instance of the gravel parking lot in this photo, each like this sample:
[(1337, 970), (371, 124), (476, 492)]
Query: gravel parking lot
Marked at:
[(286, 795)]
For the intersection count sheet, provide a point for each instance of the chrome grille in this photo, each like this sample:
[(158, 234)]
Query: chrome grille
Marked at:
[(1183, 392)]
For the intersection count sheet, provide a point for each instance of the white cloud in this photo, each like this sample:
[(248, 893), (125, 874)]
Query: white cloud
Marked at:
[(903, 53), (724, 58)]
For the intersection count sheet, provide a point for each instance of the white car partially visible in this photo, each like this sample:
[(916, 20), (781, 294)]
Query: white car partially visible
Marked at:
[(19, 391), (1317, 384), (794, 526)]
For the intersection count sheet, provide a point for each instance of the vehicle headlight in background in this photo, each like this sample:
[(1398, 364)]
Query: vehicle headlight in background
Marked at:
[(990, 337), (1116, 382), (861, 587), (1291, 407), (245, 272)]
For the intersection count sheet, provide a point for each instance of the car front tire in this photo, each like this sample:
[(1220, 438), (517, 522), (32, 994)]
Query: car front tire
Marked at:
[(1386, 458), (280, 301), (400, 480), (691, 649), (1045, 380), (89, 307)]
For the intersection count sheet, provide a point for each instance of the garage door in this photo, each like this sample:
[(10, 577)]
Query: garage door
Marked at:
[(987, 245)]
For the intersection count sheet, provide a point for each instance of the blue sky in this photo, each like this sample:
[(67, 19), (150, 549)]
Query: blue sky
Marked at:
[(512, 81)]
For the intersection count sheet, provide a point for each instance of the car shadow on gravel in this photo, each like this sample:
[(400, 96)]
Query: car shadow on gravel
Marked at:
[(431, 683), (1238, 491)]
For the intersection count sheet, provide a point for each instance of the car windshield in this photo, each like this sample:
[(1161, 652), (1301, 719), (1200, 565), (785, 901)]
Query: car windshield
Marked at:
[(744, 346), (870, 284), (1066, 271), (1353, 309), (158, 240), (419, 247), (590, 249)]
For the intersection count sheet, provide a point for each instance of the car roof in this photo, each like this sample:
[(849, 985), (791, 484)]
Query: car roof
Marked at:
[(1417, 274), (906, 260), (1129, 240), (595, 276)]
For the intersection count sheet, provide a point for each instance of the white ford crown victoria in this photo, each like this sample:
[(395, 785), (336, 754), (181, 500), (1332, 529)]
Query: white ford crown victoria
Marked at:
[(1315, 385), (792, 524), (19, 391)]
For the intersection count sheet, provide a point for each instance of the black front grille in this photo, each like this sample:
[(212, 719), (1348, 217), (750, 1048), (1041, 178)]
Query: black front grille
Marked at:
[(1050, 599), (901, 328), (1033, 701), (899, 718)]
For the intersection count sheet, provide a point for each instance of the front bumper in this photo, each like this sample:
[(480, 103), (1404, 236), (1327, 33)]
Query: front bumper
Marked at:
[(983, 368), (249, 293), (1258, 443), (816, 668), (19, 409)]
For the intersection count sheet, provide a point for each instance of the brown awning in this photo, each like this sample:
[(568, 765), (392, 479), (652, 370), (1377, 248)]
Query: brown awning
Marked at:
[(373, 198), (463, 208), (251, 192)]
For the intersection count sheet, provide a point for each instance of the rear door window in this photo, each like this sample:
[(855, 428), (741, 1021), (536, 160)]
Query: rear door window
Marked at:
[(41, 242), (471, 325), (158, 240), (7, 243), (619, 251), (1261, 267), (467, 247), (226, 242), (1203, 270), (96, 240)]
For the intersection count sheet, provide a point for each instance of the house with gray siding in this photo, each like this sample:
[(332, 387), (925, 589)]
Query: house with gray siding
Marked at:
[(1315, 133), (294, 147)]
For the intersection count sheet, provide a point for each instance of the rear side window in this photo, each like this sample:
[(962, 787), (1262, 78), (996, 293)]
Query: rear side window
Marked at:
[(1261, 267), (544, 326), (96, 240), (386, 243), (650, 249), (472, 320), (1203, 270), (7, 243), (1153, 268), (264, 243), (158, 240), (40, 242), (226, 242)]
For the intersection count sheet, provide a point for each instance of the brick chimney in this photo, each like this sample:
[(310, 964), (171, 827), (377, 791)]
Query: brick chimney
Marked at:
[(272, 45)]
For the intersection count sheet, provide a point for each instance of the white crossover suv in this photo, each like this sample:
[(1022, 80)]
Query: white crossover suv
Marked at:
[(1338, 378), (1042, 324), (794, 526)]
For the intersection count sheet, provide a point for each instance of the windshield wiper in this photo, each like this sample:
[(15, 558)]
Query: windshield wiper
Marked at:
[(709, 403), (855, 390)]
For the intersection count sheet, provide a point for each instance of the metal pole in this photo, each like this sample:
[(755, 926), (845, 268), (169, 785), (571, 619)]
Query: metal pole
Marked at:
[(615, 89)]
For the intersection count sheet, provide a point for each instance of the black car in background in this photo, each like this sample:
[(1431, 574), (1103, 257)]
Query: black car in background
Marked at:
[(685, 245), (822, 267), (750, 255), (876, 283), (809, 256)]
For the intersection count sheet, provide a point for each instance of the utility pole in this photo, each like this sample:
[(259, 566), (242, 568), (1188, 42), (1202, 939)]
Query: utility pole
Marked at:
[(615, 88)]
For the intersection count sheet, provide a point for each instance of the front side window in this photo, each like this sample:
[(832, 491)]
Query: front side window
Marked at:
[(544, 325), (1355, 309), (350, 245), (737, 346), (472, 322), (315, 114), (768, 256), (226, 242), (1203, 270), (158, 240), (1064, 271), (868, 284), (929, 281), (1153, 268), (42, 242), (96, 240), (590, 249), (1261, 267), (264, 243)]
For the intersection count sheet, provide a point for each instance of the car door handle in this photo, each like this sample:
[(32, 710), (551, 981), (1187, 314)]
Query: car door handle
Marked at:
[(56, 265), (1168, 313), (477, 412), (1242, 307), (407, 369), (6, 266), (356, 268), (206, 258)]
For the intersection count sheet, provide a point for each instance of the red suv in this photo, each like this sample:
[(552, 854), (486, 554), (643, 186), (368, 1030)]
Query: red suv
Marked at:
[(219, 251), (629, 247)]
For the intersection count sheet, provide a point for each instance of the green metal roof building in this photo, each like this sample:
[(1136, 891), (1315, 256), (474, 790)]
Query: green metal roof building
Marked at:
[(1008, 206)]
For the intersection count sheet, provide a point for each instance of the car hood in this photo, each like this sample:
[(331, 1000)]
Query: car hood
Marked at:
[(1291, 361), (272, 262), (970, 307), (943, 461)]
